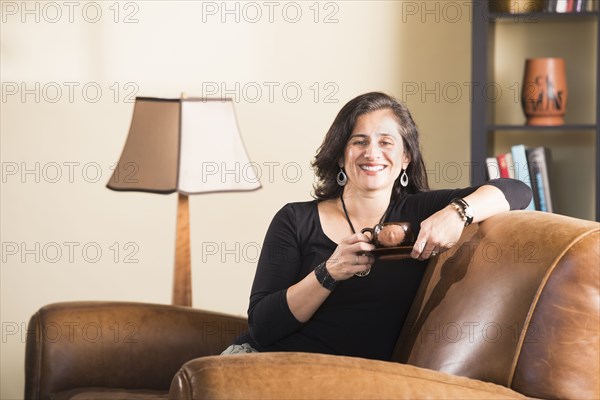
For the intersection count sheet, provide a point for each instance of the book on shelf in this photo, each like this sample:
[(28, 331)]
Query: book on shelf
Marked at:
[(561, 6), (493, 169), (529, 165), (536, 184), (550, 6), (510, 164), (522, 168), (506, 166), (570, 6), (539, 159)]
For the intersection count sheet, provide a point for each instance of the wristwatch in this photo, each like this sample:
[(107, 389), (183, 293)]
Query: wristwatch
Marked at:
[(464, 210)]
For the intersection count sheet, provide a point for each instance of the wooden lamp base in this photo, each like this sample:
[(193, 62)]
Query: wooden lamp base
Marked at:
[(182, 280)]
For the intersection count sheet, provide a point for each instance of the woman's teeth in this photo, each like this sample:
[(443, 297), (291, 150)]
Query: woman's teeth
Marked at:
[(372, 168)]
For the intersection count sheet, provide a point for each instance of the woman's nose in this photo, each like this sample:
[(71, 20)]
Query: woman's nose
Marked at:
[(373, 151)]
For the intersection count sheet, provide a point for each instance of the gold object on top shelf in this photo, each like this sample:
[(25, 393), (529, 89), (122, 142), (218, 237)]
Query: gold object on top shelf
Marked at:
[(517, 6)]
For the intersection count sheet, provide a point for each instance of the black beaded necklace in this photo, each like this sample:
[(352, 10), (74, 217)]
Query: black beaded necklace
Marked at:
[(348, 217), (361, 274)]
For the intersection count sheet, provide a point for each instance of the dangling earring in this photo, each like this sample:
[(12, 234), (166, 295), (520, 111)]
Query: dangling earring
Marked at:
[(404, 178), (341, 177)]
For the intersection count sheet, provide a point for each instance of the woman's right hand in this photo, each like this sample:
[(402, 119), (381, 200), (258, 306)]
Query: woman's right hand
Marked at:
[(351, 256)]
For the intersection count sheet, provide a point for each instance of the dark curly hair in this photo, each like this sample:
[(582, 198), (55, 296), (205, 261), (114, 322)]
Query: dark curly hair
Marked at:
[(332, 149)]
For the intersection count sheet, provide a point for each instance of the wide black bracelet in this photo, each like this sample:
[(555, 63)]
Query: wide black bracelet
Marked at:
[(464, 210), (324, 278)]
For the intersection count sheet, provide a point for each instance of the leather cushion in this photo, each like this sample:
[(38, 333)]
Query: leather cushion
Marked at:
[(108, 394), (320, 376)]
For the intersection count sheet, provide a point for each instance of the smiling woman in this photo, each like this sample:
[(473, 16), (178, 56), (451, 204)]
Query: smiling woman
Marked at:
[(356, 118), (317, 287), (371, 155)]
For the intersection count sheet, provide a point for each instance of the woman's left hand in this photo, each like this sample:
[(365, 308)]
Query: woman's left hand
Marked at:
[(438, 233)]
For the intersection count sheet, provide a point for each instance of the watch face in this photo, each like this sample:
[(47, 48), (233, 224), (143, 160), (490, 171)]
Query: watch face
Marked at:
[(468, 215)]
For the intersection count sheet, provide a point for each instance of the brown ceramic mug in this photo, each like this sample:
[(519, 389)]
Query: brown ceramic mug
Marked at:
[(390, 234)]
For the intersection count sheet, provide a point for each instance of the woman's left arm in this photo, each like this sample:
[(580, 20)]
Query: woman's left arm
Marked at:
[(442, 230)]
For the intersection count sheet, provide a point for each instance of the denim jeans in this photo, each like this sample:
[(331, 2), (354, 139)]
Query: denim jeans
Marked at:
[(239, 349)]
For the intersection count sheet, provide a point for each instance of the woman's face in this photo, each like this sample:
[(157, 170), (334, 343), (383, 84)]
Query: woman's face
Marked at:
[(374, 155)]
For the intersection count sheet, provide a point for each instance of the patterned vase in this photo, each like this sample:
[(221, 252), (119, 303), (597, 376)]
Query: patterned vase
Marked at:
[(544, 93)]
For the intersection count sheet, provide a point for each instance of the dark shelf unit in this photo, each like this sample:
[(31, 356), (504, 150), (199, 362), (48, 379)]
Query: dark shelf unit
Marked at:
[(561, 128), (482, 62), (493, 16)]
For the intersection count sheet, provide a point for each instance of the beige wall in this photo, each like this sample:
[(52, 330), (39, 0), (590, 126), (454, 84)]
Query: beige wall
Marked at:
[(393, 46)]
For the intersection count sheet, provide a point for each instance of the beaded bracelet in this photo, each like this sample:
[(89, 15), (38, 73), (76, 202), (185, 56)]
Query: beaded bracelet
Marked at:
[(463, 209)]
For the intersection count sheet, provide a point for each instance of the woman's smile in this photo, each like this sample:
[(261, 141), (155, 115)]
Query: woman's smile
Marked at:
[(372, 168)]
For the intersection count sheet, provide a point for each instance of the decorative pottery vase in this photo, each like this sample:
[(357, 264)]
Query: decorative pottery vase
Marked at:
[(544, 93)]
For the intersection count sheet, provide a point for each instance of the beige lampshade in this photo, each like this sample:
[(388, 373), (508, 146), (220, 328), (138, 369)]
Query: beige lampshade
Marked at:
[(185, 145)]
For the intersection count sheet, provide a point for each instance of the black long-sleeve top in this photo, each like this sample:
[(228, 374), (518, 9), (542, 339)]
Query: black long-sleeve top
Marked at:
[(363, 316)]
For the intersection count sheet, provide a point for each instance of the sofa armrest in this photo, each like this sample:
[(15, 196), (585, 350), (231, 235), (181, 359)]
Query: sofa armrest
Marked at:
[(117, 344), (320, 376), (515, 302)]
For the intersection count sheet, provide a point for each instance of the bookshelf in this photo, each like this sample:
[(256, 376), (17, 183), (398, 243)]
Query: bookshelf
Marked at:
[(501, 42)]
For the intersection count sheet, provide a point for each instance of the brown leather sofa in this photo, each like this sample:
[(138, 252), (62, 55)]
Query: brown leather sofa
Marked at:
[(512, 310)]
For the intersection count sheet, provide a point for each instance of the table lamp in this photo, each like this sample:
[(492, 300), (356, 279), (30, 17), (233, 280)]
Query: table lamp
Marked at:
[(188, 146)]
